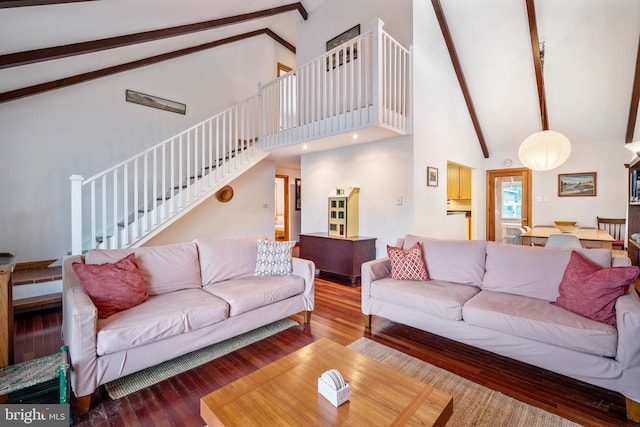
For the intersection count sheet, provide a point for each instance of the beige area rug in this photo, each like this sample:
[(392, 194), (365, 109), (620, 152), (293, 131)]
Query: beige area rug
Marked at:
[(150, 376), (473, 404)]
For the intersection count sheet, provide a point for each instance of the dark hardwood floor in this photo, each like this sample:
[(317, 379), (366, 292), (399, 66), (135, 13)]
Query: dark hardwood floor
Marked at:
[(337, 316)]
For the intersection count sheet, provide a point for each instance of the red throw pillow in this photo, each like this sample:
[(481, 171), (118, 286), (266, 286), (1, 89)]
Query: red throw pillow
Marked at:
[(591, 290), (407, 264), (113, 287)]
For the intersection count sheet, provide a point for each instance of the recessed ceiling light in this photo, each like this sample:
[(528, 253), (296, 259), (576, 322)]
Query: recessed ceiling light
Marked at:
[(305, 146), (354, 136)]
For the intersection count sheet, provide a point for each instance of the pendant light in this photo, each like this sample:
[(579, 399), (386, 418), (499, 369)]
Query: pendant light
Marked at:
[(547, 149)]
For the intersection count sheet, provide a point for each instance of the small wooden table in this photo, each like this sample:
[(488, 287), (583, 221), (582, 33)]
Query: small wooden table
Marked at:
[(286, 393), (589, 237)]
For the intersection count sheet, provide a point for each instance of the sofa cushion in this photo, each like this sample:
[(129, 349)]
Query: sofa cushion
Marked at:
[(227, 258), (436, 297), (592, 291), (457, 261), (166, 268), (407, 264), (538, 320), (113, 287), (531, 271), (274, 258), (248, 293), (162, 316)]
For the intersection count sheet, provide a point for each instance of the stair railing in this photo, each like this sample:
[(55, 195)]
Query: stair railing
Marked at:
[(364, 82), (121, 205)]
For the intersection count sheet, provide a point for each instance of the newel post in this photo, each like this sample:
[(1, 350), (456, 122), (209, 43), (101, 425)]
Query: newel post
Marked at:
[(76, 214), (377, 57)]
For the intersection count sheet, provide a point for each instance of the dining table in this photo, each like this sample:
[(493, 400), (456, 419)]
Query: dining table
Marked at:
[(589, 237)]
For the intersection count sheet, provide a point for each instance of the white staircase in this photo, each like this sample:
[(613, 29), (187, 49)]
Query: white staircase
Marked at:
[(363, 83)]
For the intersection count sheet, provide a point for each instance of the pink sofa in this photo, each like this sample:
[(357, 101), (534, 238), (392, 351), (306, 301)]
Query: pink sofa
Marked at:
[(497, 297), (200, 293)]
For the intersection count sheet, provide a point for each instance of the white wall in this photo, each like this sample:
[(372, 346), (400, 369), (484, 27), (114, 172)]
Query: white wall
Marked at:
[(243, 215), (381, 170), (86, 128), (442, 132), (604, 158)]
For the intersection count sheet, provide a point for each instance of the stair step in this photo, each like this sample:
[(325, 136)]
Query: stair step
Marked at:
[(26, 276), (37, 277), (41, 302)]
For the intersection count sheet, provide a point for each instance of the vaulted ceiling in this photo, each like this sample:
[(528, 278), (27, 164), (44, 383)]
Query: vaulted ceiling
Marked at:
[(590, 60), (590, 56)]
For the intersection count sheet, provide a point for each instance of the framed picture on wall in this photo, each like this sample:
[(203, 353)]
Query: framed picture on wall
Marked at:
[(577, 184), (298, 189), (432, 176), (337, 41)]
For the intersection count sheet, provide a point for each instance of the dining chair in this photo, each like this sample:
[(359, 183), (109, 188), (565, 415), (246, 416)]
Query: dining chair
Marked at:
[(615, 227), (562, 241)]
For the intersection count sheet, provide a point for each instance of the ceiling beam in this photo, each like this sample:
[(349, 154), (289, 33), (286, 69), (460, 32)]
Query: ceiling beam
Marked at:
[(73, 49), (635, 98), (92, 75), (437, 7), (537, 62), (5, 4)]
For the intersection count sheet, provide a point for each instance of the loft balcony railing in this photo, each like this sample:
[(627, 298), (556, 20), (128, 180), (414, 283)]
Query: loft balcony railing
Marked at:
[(361, 83), (365, 82)]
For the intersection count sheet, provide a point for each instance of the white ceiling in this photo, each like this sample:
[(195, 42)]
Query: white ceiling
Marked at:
[(590, 54)]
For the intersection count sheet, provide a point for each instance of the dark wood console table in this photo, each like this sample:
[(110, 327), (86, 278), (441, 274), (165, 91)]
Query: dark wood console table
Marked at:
[(338, 255)]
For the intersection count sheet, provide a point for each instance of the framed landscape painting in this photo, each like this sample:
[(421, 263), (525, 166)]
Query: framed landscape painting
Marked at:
[(577, 184)]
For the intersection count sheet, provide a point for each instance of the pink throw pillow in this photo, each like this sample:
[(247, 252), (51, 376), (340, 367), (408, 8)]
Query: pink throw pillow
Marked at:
[(113, 287), (407, 264), (591, 290)]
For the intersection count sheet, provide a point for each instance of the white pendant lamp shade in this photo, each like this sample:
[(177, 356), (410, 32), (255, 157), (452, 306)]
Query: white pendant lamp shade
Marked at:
[(544, 150)]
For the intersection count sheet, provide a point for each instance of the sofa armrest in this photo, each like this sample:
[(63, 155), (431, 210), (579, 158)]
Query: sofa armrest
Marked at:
[(307, 270), (628, 354), (79, 330), (620, 260), (372, 271)]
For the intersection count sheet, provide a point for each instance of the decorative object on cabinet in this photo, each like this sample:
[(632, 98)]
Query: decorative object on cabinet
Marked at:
[(432, 176), (298, 190), (155, 102), (343, 212), (577, 184)]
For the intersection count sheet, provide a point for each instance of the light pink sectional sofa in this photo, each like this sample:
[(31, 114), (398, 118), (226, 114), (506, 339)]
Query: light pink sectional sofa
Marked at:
[(200, 293), (497, 297)]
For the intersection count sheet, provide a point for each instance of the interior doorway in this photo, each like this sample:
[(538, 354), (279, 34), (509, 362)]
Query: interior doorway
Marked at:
[(508, 204), (282, 208)]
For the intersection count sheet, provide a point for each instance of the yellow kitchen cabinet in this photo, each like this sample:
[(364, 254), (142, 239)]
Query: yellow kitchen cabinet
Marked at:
[(458, 182)]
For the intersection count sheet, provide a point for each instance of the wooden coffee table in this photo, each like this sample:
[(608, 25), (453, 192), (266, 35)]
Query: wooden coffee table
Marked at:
[(286, 393)]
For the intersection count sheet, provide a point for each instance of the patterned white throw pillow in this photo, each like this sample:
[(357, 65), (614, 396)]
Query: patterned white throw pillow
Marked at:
[(274, 258)]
